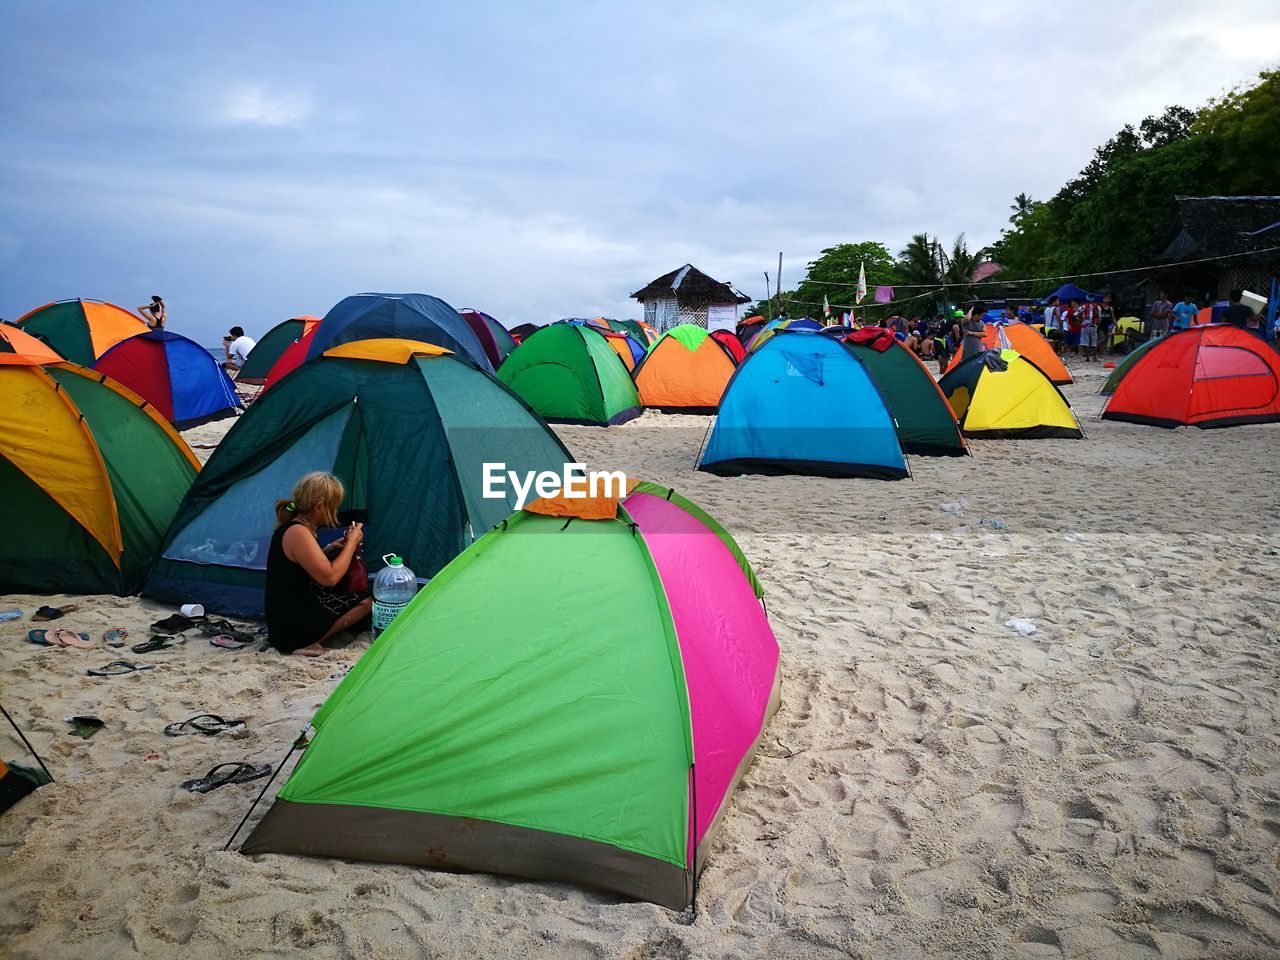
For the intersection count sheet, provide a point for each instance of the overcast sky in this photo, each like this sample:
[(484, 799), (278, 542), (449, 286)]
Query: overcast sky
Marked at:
[(254, 161)]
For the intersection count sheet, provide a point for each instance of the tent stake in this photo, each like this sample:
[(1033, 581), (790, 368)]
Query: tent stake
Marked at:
[(267, 786)]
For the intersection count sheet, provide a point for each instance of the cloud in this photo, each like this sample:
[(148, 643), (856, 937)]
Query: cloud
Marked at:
[(259, 107)]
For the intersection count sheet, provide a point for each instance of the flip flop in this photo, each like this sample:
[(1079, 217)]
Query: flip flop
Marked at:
[(225, 628), (115, 637), (69, 638), (228, 642), (209, 724), (175, 623), (159, 642), (118, 668), (58, 638), (85, 727), (225, 773)]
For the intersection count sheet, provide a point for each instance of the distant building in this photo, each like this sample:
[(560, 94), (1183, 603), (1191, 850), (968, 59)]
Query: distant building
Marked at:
[(1245, 229), (688, 295)]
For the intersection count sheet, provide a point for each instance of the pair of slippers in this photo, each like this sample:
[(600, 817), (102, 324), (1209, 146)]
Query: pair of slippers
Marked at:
[(60, 638), (206, 724), (221, 630), (225, 773), (176, 623), (160, 641)]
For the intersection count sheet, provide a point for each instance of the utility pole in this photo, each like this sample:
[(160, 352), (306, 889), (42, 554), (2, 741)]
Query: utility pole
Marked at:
[(779, 283)]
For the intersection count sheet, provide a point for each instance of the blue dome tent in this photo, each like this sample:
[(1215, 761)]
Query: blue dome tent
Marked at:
[(804, 403)]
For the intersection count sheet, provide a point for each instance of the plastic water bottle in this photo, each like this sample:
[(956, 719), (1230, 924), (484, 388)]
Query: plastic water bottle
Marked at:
[(393, 588)]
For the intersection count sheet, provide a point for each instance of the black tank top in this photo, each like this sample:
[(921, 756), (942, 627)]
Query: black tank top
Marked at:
[(288, 592)]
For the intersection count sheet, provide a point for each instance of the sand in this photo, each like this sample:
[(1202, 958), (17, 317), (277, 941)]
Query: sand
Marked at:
[(934, 784)]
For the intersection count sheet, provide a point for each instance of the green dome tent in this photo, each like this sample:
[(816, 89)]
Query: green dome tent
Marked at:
[(568, 373), (406, 426)]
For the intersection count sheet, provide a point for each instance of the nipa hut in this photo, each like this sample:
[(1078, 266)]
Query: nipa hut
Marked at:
[(687, 295)]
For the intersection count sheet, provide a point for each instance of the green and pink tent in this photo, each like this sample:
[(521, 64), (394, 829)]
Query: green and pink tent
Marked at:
[(591, 736)]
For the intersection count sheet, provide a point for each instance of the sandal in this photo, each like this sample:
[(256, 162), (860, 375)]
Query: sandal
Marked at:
[(209, 724), (115, 637), (160, 641), (224, 628), (175, 623), (227, 642), (53, 613), (225, 773), (118, 668), (59, 638)]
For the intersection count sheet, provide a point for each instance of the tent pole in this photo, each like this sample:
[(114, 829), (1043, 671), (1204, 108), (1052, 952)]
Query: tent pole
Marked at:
[(267, 786), (23, 737)]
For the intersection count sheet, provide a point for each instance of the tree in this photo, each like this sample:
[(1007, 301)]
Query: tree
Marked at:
[(1021, 205), (835, 274), (1246, 125)]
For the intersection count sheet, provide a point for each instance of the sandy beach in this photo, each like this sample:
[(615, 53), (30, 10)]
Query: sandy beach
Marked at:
[(934, 784)]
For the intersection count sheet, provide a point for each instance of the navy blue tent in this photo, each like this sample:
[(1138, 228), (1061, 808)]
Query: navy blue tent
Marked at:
[(402, 316), (802, 403), (1069, 291)]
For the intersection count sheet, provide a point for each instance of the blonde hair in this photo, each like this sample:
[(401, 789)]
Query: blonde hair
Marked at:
[(318, 493)]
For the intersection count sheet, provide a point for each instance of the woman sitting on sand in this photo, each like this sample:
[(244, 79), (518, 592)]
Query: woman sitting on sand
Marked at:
[(303, 609)]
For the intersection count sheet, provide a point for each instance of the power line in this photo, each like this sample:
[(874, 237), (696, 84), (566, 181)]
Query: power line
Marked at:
[(943, 285)]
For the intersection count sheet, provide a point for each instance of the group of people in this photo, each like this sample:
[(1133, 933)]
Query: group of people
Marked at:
[(1164, 316), (236, 344)]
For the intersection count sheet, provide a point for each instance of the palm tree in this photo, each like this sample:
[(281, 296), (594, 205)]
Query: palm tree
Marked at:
[(1021, 204), (924, 262)]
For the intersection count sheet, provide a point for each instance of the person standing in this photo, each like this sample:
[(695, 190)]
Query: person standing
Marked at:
[(1158, 315), (237, 347), (1237, 314), (1185, 313), (1089, 315), (1106, 323), (1053, 325), (154, 313), (975, 331), (1072, 320)]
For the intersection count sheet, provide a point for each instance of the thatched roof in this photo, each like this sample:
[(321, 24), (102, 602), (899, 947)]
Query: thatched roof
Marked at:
[(690, 286), (1227, 226)]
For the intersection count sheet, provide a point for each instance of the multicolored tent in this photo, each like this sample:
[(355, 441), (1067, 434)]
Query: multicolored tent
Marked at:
[(638, 329), (568, 373), (493, 336), (175, 375), (1000, 394), (1208, 376), (686, 371), (729, 340), (267, 351), (762, 334), (923, 419), (90, 474), (408, 428), (1124, 366), (398, 316), (15, 341), (550, 736), (1027, 342), (294, 356), (81, 330), (804, 403)]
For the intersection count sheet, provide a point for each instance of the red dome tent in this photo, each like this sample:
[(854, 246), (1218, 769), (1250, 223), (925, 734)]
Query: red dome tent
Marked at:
[(1207, 376)]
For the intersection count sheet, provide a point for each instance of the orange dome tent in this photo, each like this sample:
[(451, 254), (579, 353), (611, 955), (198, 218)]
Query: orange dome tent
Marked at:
[(686, 371), (81, 330), (1028, 343)]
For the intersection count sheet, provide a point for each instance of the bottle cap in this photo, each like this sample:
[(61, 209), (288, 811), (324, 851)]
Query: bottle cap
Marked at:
[(394, 561)]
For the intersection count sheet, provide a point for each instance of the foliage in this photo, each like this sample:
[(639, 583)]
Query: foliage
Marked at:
[(1121, 209)]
